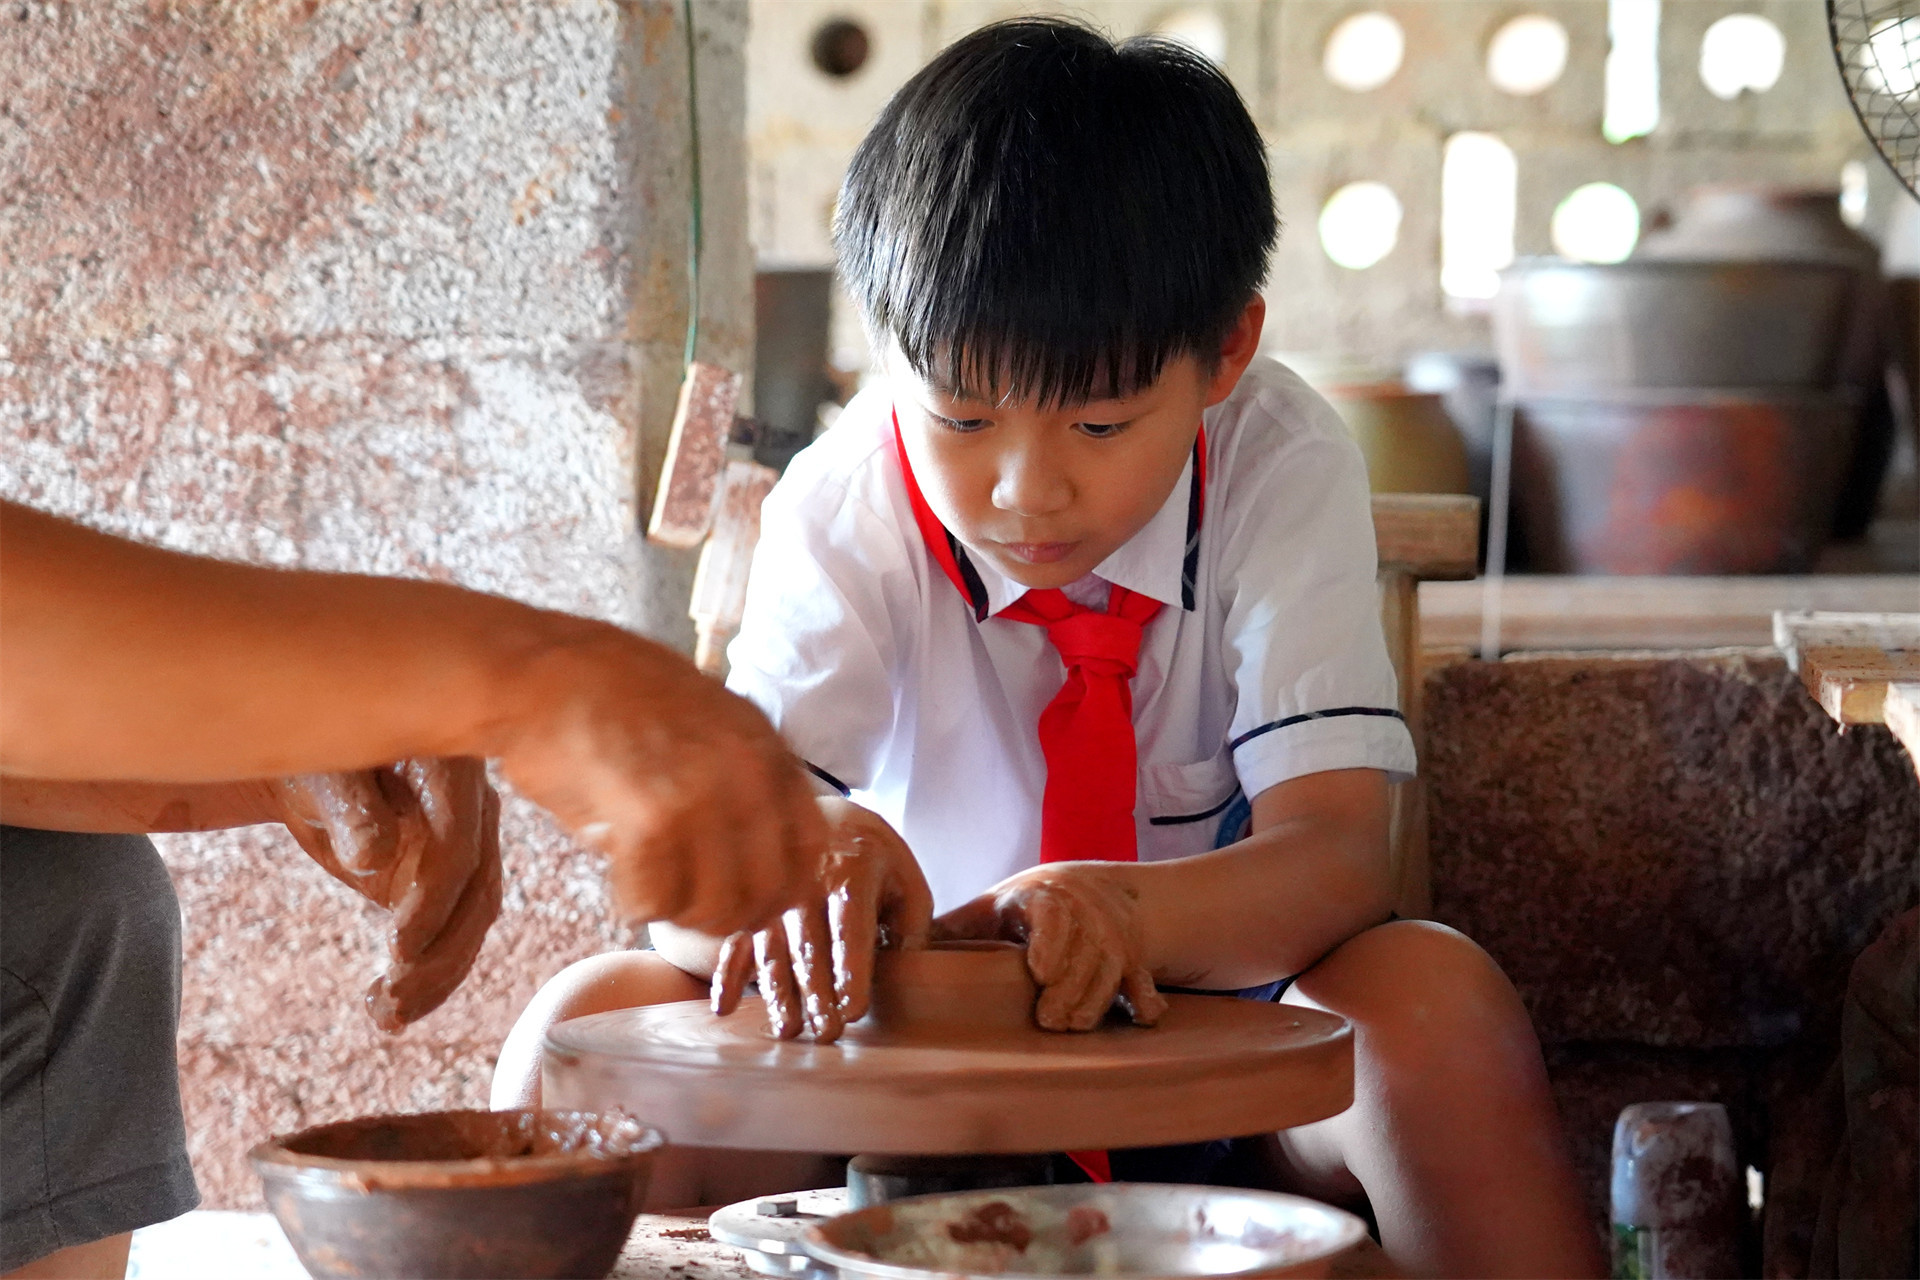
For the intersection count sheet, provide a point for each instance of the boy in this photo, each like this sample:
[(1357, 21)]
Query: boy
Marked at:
[(1078, 606)]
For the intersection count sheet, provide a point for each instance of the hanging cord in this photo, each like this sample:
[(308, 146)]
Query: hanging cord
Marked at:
[(694, 207)]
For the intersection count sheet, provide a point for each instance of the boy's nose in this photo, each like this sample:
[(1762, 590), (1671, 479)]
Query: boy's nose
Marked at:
[(1031, 483)]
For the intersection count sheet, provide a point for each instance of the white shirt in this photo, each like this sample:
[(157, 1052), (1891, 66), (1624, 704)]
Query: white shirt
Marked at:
[(1265, 663)]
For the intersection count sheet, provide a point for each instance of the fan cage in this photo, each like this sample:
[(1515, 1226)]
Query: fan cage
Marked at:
[(1877, 47)]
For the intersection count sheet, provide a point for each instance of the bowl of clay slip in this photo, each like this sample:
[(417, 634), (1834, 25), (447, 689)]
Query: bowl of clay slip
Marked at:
[(460, 1193), (951, 986)]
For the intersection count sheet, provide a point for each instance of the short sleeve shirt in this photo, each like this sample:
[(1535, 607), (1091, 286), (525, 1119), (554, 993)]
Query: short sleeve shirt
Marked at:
[(1265, 663)]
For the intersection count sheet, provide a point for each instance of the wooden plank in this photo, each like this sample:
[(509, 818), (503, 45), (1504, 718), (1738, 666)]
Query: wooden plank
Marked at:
[(1902, 710), (1552, 612), (1429, 535), (1407, 813), (1847, 660)]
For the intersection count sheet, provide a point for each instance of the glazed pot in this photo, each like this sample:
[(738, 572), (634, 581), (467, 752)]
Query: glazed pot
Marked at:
[(1681, 482), (1576, 328), (1409, 440), (460, 1193)]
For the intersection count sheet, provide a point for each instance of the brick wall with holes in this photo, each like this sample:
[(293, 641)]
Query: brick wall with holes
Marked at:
[(1423, 71)]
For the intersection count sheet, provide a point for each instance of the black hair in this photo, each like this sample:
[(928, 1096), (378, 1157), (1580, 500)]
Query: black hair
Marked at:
[(1041, 213)]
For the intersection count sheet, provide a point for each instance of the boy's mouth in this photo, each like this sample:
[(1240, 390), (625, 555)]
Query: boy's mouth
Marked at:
[(1039, 552)]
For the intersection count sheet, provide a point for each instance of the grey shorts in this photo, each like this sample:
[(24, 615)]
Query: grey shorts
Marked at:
[(91, 1139)]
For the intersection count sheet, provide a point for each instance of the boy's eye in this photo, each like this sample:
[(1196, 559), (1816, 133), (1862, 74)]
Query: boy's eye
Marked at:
[(962, 425), (1101, 430)]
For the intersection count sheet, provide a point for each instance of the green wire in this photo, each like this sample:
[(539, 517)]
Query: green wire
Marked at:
[(694, 211)]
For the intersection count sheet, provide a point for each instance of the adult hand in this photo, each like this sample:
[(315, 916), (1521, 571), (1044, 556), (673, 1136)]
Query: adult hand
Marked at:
[(1080, 922), (422, 839), (815, 964), (707, 819)]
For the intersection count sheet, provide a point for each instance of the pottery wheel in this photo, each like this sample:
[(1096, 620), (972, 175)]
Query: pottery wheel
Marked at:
[(1213, 1068)]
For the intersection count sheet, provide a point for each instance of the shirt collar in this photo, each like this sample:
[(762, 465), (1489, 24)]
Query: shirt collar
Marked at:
[(1157, 562)]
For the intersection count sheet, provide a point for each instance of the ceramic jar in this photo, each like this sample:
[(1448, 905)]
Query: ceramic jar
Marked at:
[(1410, 442)]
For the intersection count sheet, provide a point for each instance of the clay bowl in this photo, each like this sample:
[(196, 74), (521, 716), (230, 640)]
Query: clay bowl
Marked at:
[(1119, 1229), (953, 984), (460, 1193)]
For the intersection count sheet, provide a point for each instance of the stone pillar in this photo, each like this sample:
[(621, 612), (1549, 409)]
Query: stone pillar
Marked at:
[(389, 287)]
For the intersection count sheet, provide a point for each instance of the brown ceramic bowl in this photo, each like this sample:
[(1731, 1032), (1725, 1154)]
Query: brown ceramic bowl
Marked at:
[(460, 1193), (969, 984)]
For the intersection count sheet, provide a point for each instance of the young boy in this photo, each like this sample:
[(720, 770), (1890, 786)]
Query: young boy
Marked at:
[(1077, 604)]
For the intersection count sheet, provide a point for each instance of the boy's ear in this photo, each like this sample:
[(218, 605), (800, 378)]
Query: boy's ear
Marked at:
[(1237, 350)]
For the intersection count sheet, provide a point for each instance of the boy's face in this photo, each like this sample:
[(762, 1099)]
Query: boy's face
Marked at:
[(1044, 495)]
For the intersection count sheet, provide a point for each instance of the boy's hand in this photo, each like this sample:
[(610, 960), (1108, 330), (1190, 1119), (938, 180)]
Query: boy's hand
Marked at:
[(815, 964), (422, 839), (1080, 923), (707, 819)]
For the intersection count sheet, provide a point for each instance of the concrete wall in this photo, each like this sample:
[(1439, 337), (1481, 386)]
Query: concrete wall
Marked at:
[(803, 125), (391, 287)]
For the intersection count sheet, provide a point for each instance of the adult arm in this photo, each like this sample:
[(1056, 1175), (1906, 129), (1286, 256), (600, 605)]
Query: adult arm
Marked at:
[(121, 661)]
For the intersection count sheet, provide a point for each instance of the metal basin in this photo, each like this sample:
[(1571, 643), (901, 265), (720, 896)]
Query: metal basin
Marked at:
[(1118, 1229), (460, 1193), (1573, 327)]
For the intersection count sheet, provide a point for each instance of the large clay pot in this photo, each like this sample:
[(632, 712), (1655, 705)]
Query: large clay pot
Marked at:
[(1575, 328), (1803, 224), (1685, 482), (1410, 442)]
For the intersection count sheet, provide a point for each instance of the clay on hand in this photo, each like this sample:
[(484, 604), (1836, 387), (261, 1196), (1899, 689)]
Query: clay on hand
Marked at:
[(707, 819), (815, 965), (1080, 924), (422, 839)]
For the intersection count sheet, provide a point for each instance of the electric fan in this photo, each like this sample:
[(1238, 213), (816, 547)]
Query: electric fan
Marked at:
[(1877, 45)]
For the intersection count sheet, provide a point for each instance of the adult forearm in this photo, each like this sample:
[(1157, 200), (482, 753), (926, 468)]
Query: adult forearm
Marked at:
[(135, 807), (121, 661)]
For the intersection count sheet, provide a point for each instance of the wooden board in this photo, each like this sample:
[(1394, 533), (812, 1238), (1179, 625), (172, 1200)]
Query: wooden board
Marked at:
[(1848, 660), (1554, 612), (1213, 1068), (1427, 535)]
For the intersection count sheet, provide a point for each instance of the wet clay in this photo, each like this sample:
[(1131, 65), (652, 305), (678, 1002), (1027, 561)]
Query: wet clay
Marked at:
[(422, 839), (956, 985), (1212, 1068)]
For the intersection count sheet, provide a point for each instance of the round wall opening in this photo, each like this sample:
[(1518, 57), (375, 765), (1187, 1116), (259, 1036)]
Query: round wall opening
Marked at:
[(1359, 224), (1596, 223), (1527, 55), (1198, 27), (1741, 53), (840, 47), (1364, 51)]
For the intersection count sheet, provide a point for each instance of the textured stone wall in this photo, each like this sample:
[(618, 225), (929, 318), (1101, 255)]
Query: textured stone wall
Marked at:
[(392, 287), (1676, 858)]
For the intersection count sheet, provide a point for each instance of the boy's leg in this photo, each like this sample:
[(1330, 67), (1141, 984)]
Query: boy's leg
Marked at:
[(683, 1176), (1453, 1134)]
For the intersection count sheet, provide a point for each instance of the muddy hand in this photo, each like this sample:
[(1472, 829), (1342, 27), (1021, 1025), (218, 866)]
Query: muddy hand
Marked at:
[(706, 818), (1080, 924), (815, 966), (422, 839)]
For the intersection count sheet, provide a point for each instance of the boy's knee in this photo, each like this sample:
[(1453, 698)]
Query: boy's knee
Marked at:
[(1415, 977)]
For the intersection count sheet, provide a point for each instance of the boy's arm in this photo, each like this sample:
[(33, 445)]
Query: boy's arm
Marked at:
[(1312, 874)]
